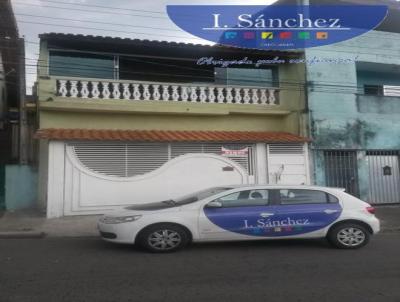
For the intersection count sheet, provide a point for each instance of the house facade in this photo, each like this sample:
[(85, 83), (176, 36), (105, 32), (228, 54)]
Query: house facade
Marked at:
[(353, 99), (355, 116), (131, 121)]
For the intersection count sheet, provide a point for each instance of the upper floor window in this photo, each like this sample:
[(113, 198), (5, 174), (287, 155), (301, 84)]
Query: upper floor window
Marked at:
[(247, 77), (373, 89), (382, 90), (378, 79), (82, 65)]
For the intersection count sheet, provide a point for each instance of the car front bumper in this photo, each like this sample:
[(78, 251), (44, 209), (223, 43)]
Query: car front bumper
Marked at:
[(119, 233)]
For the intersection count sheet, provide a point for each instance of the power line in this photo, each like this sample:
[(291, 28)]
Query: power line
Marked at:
[(88, 67), (107, 7), (98, 22), (281, 88), (315, 86), (182, 16), (86, 10), (85, 67), (105, 29)]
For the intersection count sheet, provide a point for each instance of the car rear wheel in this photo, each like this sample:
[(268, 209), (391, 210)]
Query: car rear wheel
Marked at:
[(163, 238), (349, 236)]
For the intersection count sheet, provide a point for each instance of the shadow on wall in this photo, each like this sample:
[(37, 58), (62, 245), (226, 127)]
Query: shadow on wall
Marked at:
[(20, 187)]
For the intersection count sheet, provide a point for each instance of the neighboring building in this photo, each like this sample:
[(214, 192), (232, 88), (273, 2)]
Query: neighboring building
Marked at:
[(355, 116), (355, 112), (2, 94), (130, 121), (12, 117), (354, 109), (15, 176), (2, 118)]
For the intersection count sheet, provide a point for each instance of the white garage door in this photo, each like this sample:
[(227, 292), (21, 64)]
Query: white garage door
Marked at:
[(104, 176)]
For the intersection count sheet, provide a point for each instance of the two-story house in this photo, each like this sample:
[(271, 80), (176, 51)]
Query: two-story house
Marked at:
[(355, 110), (127, 121)]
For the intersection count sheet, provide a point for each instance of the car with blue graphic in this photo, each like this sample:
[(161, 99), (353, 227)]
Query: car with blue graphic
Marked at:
[(256, 212)]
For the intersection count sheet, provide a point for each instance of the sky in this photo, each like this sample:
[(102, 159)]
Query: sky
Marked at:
[(122, 18)]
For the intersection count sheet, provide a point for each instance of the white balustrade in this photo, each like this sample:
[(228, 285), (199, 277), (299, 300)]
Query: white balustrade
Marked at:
[(149, 91), (156, 93), (74, 89), (106, 90), (62, 90), (116, 93), (126, 93)]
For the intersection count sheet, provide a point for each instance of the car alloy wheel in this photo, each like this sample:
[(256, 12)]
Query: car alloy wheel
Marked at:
[(164, 240), (163, 237), (348, 235), (351, 236)]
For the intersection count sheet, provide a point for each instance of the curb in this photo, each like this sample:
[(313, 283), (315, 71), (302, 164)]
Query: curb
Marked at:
[(22, 235)]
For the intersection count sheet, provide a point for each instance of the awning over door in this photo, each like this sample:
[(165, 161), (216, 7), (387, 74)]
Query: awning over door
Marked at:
[(169, 136)]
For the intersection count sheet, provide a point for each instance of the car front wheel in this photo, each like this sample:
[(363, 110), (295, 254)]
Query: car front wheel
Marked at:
[(163, 238), (349, 236)]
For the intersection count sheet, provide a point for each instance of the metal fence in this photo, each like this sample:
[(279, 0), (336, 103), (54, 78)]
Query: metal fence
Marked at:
[(341, 170)]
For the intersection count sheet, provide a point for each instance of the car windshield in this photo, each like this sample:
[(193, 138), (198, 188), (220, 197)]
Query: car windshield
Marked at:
[(193, 197)]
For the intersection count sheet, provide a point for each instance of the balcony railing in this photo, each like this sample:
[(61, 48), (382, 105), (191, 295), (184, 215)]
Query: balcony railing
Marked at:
[(166, 92)]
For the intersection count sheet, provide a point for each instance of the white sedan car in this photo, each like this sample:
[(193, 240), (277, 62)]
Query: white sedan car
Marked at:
[(244, 213)]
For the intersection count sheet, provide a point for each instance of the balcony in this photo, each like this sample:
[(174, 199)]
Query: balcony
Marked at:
[(165, 92)]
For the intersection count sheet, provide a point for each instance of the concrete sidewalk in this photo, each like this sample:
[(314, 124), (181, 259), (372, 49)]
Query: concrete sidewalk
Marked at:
[(33, 224)]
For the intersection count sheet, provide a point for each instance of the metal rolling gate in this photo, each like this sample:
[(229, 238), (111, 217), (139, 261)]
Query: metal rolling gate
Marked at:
[(341, 170), (384, 176)]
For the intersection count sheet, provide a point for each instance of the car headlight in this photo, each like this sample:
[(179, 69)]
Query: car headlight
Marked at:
[(122, 219)]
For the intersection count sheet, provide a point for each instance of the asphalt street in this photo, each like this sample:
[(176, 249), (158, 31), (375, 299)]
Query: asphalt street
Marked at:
[(87, 269)]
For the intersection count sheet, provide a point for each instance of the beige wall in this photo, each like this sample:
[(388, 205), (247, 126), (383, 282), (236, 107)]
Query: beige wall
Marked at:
[(54, 119)]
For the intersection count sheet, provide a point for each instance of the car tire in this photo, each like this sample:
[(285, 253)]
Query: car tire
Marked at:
[(163, 238), (348, 236)]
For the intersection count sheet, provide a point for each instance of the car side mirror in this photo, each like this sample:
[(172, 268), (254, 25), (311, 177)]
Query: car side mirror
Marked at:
[(214, 204)]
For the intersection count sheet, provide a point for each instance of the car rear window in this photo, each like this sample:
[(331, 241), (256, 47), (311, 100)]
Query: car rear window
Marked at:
[(299, 196)]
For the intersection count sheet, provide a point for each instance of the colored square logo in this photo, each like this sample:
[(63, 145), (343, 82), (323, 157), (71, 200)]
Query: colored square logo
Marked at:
[(322, 35), (230, 35), (286, 35), (249, 35), (266, 35), (304, 35)]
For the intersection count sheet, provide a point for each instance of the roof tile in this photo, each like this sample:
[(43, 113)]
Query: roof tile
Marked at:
[(168, 136)]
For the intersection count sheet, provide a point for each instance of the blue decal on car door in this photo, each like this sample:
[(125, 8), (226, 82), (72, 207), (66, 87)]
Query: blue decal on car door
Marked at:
[(242, 220), (283, 219)]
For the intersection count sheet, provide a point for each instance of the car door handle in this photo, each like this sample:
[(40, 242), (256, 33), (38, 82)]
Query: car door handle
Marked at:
[(266, 215), (328, 211)]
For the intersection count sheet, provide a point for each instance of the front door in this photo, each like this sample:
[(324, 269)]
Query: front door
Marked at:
[(384, 178)]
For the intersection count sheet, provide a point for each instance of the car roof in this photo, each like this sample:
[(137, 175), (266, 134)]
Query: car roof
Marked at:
[(269, 186)]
